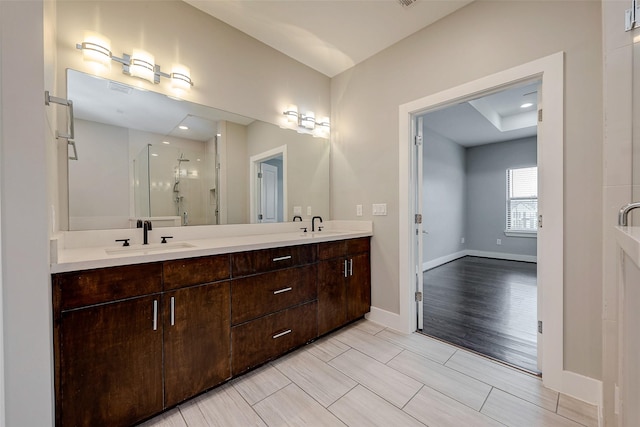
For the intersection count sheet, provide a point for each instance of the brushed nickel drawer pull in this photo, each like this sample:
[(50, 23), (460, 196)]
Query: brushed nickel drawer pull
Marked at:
[(281, 334), (173, 311), (155, 315), (279, 291), (351, 267), (282, 258), (345, 268)]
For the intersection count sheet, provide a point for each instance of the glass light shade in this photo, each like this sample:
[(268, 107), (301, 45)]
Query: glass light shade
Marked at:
[(142, 65), (308, 120), (96, 48), (291, 113), (181, 77), (322, 128)]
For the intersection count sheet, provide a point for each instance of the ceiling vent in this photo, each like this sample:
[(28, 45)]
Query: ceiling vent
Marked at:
[(407, 3), (118, 87)]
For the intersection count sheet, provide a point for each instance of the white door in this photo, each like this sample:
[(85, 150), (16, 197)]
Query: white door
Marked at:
[(417, 217), (268, 193)]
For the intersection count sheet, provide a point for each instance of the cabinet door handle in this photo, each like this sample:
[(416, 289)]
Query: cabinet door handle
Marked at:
[(345, 268), (155, 315), (173, 311), (281, 334), (279, 291), (351, 267), (282, 258)]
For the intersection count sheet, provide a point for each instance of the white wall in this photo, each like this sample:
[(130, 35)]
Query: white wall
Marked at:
[(99, 179), (481, 39), (486, 195), (27, 145), (616, 184), (444, 189)]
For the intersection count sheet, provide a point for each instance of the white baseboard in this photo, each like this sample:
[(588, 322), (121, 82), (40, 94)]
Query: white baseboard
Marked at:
[(387, 319), (471, 252), (583, 388), (502, 255), (442, 260)]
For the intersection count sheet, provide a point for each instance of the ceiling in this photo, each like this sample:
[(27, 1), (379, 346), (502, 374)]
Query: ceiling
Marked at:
[(329, 36), (332, 36), (497, 117)]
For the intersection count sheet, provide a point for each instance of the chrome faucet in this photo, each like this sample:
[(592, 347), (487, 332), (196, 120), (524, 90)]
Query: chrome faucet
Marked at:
[(623, 214), (146, 227), (313, 222)]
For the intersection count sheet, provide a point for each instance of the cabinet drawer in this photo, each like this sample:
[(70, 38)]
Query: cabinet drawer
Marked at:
[(78, 289), (180, 273), (255, 296), (253, 262), (263, 339), (341, 248)]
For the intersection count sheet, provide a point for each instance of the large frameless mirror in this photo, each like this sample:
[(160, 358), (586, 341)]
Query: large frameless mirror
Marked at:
[(142, 154)]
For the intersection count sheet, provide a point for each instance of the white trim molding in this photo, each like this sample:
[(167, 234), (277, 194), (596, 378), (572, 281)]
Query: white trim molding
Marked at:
[(550, 70), (428, 265)]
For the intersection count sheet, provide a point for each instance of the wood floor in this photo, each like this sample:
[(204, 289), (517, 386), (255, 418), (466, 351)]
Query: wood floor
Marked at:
[(367, 375), (486, 305)]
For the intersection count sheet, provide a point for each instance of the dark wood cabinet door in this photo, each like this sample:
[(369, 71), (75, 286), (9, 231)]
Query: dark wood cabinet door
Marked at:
[(332, 304), (197, 346), (111, 363), (358, 286)]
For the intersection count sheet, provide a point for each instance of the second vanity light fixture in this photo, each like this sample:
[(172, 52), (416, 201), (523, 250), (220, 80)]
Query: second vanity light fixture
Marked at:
[(141, 64), (306, 122)]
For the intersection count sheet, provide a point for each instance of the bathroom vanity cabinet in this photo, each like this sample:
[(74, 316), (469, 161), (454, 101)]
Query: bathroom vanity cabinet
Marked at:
[(344, 282), (131, 341)]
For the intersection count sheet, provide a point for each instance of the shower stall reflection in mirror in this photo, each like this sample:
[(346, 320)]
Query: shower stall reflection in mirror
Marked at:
[(171, 186), (268, 186)]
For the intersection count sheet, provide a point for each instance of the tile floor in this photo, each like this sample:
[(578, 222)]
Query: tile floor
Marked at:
[(366, 375)]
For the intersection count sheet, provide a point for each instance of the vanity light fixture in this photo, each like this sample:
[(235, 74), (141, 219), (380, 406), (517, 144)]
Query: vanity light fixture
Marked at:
[(308, 120), (291, 113), (141, 64)]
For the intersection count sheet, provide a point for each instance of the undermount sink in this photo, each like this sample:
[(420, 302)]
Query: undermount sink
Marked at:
[(311, 234), (147, 249)]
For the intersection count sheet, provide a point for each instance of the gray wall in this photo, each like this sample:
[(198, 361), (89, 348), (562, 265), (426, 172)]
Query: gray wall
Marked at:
[(486, 195), (443, 191), (365, 123)]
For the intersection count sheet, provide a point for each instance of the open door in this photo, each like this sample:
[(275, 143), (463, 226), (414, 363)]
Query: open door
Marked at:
[(269, 195), (417, 217)]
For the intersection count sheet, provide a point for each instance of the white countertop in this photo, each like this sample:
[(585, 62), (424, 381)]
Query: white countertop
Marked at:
[(629, 240), (73, 251)]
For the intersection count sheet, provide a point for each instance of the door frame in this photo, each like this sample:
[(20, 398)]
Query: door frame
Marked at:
[(550, 70), (254, 186)]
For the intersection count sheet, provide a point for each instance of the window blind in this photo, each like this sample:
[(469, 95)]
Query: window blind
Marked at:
[(522, 199)]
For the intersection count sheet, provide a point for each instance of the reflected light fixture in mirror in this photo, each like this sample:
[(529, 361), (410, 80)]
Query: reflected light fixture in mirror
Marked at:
[(308, 120), (96, 48)]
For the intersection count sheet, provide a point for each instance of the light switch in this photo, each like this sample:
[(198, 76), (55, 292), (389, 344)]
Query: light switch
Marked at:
[(308, 210), (358, 210), (379, 209)]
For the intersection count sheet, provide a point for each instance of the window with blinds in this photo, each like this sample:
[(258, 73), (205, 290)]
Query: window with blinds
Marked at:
[(522, 200)]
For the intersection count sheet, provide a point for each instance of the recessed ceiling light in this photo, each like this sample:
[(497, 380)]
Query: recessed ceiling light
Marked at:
[(166, 142), (183, 127), (526, 105), (154, 154)]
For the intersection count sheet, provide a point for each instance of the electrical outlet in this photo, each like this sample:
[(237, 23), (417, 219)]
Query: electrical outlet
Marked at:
[(358, 210), (379, 209), (308, 210), (498, 241)]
